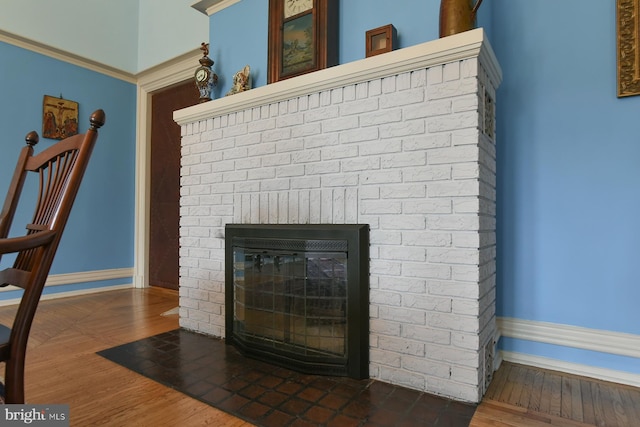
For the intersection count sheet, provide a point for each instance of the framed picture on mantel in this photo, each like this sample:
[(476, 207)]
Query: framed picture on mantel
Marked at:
[(303, 37), (628, 45)]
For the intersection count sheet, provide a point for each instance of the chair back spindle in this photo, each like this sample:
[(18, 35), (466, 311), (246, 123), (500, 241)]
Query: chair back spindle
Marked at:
[(60, 169)]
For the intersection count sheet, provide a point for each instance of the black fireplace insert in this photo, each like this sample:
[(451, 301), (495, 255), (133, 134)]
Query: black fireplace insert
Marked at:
[(298, 295)]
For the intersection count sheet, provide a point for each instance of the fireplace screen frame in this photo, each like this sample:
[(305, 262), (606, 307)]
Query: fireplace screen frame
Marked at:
[(355, 363)]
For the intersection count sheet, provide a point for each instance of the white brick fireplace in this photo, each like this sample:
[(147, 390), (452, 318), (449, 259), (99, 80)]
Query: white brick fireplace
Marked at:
[(404, 142)]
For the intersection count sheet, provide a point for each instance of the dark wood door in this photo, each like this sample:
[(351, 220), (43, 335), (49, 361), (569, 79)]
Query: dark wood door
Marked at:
[(165, 184)]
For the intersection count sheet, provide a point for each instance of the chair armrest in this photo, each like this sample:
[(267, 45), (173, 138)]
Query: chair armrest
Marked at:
[(17, 244)]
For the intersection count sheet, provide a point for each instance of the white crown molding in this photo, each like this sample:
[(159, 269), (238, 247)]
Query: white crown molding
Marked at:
[(466, 45), (170, 72), (62, 55), (611, 375), (617, 343), (209, 7)]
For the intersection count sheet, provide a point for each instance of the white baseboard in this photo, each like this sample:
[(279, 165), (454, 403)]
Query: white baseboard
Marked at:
[(57, 295), (611, 375), (72, 278), (82, 277), (616, 343), (88, 276)]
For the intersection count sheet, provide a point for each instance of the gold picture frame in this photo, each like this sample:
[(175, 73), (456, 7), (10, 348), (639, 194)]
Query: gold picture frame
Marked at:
[(628, 29), (59, 117)]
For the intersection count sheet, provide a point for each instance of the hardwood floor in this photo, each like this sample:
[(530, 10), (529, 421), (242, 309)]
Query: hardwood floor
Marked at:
[(526, 396), (62, 367)]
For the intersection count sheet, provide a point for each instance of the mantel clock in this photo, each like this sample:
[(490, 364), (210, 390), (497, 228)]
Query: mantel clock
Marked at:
[(204, 76)]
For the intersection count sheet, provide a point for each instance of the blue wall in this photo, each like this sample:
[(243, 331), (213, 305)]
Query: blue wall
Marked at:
[(568, 153), (234, 43), (100, 232), (239, 34)]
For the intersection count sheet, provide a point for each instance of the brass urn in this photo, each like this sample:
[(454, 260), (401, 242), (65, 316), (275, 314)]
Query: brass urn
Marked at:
[(457, 16)]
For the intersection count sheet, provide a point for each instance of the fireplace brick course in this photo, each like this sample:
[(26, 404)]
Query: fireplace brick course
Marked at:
[(411, 154)]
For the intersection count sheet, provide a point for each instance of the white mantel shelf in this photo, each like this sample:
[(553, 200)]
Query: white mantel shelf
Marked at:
[(458, 47)]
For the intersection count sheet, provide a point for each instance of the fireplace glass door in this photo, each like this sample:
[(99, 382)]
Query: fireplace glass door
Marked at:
[(291, 302), (297, 295)]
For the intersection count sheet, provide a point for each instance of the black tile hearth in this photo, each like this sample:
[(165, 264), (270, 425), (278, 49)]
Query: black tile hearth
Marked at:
[(265, 395)]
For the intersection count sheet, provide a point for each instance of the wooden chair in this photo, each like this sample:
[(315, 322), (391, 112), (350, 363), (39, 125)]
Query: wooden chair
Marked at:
[(60, 169)]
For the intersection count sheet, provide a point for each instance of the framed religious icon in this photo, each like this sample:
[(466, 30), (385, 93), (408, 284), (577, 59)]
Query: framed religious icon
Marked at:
[(628, 24), (303, 37), (59, 117)]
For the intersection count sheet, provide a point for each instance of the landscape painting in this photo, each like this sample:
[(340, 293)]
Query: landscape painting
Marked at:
[(298, 47)]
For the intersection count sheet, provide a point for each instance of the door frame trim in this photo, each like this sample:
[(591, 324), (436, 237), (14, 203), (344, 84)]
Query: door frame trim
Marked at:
[(161, 77)]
